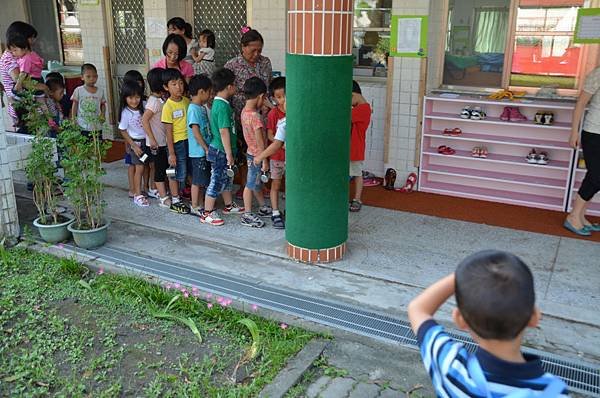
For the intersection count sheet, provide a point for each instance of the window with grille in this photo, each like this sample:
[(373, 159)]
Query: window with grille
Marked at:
[(225, 18)]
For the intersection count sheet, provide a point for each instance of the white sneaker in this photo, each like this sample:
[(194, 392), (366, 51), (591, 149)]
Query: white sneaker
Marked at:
[(233, 208), (211, 218), (196, 211), (153, 193)]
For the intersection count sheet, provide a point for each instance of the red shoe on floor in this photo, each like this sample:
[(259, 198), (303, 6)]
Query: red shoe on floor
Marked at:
[(409, 186)]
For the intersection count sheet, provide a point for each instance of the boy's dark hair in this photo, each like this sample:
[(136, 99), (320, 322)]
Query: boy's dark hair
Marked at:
[(85, 67), (356, 87), (176, 22), (188, 30), (135, 76), (495, 294), (179, 42), (55, 76), (18, 40), (276, 84), (254, 87), (21, 28), (250, 36), (55, 84), (170, 74), (210, 37), (221, 78), (129, 89), (155, 80), (199, 82)]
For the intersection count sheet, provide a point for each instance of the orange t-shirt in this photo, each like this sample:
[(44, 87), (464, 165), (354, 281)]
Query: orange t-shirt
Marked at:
[(251, 121)]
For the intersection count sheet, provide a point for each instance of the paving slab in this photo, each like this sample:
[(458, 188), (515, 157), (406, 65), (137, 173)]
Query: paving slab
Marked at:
[(315, 389), (364, 390), (338, 387)]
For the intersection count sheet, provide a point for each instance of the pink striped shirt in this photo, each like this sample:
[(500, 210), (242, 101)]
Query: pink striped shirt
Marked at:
[(7, 64)]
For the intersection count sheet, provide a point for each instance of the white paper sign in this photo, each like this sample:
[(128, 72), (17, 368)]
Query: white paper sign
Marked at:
[(589, 27), (156, 27), (409, 35)]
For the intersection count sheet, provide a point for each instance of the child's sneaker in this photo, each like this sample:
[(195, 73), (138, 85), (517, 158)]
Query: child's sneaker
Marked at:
[(211, 218), (251, 220), (196, 211), (233, 208), (153, 193), (278, 222), (265, 211), (179, 208)]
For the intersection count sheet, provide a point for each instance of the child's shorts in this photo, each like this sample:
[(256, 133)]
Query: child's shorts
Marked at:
[(127, 158), (219, 180), (161, 164), (277, 168), (253, 181), (200, 171), (135, 159), (181, 153), (356, 168)]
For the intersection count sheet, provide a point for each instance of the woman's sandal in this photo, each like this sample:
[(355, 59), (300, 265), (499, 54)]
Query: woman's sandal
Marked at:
[(411, 181), (141, 201), (355, 205)]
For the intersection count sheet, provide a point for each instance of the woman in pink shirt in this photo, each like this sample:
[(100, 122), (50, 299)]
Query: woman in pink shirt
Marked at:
[(175, 50)]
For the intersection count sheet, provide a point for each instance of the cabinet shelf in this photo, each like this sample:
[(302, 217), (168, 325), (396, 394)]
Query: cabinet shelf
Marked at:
[(498, 158), (498, 139), (497, 120), (542, 105)]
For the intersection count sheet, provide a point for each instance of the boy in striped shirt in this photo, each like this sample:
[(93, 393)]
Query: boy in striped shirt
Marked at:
[(495, 303)]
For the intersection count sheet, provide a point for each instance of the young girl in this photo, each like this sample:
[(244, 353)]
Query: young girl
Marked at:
[(30, 67), (155, 134), (130, 125), (204, 60)]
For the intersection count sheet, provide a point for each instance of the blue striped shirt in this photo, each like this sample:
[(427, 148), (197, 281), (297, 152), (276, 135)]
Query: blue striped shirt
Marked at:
[(446, 363)]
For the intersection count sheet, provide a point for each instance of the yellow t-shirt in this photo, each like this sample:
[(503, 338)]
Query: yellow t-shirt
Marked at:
[(175, 113)]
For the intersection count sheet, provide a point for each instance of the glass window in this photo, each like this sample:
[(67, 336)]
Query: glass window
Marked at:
[(70, 32), (371, 47), (544, 53), (475, 47)]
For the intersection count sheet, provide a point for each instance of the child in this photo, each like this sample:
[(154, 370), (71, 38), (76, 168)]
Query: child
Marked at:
[(198, 136), (155, 134), (254, 134), (496, 302), (222, 148), (130, 125), (56, 91), (30, 63), (361, 118), (65, 102), (204, 59), (89, 102), (277, 161), (174, 119)]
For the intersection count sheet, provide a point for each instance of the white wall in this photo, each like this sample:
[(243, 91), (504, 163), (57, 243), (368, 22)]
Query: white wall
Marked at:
[(269, 18), (12, 10)]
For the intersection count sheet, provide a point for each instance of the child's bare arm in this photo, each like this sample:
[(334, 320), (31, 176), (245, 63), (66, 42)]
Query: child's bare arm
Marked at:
[(271, 150), (170, 144), (227, 144), (148, 114), (199, 56), (74, 108), (199, 138), (271, 134), (425, 305)]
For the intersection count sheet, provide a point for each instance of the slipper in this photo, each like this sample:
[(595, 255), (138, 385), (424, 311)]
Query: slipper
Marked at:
[(131, 195), (141, 201), (410, 184), (355, 205), (447, 132), (592, 227), (446, 150), (372, 182)]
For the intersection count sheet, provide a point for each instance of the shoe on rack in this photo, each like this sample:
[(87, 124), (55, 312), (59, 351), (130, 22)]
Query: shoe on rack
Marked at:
[(466, 113), (542, 158), (233, 208), (548, 118), (211, 218), (516, 115), (532, 157), (251, 220), (477, 113), (505, 116)]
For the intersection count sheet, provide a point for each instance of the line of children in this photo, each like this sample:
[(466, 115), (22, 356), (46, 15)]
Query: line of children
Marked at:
[(277, 160)]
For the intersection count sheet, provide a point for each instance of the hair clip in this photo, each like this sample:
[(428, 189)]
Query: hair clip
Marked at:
[(245, 29)]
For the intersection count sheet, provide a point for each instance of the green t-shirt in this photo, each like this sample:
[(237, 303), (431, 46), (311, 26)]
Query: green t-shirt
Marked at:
[(221, 116)]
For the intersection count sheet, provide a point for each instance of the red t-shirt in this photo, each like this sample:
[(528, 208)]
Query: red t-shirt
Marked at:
[(272, 118), (361, 118)]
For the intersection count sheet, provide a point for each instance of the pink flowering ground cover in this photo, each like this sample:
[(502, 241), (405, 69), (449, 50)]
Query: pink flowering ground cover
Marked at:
[(66, 330)]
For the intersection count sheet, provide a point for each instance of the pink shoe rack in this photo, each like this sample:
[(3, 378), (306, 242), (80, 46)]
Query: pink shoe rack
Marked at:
[(578, 175), (504, 176)]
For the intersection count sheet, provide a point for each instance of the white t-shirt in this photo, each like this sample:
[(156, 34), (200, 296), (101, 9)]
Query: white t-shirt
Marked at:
[(591, 123), (83, 98), (131, 120), (209, 53), (155, 105), (280, 132)]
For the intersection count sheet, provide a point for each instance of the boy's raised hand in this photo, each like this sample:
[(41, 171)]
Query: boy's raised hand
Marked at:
[(426, 304)]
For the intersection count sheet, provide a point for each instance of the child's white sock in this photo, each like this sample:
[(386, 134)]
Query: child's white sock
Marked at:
[(276, 212), (175, 199)]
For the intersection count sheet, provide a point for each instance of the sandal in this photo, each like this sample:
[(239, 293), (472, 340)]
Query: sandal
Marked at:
[(475, 152), (446, 150), (164, 202), (483, 152), (141, 201), (411, 181), (278, 222), (131, 195), (355, 205)]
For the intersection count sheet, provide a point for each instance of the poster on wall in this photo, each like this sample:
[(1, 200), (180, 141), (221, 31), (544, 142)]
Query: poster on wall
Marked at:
[(409, 36), (587, 29)]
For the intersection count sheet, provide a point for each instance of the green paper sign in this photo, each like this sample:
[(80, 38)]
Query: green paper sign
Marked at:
[(587, 30), (409, 36)]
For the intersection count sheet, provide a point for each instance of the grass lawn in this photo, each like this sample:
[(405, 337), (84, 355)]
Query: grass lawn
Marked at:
[(66, 331)]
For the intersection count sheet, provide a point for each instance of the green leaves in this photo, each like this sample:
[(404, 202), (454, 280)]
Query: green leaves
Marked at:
[(252, 352)]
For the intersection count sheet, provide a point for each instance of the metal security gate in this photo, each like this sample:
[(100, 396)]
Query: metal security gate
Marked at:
[(128, 47), (225, 18)]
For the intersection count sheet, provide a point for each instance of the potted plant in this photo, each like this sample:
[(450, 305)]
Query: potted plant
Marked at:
[(82, 162), (41, 170)]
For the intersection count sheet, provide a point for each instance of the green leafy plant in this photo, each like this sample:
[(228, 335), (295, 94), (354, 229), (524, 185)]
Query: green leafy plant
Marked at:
[(166, 314), (82, 162), (40, 168)]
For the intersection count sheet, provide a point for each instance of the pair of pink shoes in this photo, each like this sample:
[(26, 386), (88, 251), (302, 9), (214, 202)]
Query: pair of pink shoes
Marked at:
[(512, 114)]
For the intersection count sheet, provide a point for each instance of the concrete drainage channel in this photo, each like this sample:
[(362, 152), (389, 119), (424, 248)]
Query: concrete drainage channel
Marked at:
[(581, 377)]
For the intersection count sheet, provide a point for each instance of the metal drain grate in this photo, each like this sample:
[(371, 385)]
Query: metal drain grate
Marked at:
[(580, 377)]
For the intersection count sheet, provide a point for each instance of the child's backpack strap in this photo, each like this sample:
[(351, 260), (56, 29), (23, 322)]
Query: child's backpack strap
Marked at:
[(552, 390)]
